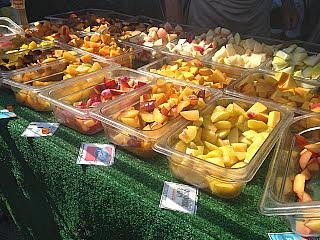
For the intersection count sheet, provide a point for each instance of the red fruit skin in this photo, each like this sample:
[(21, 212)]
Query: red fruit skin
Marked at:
[(106, 95), (164, 111), (139, 85), (148, 106), (301, 141), (110, 83), (251, 115), (199, 49)]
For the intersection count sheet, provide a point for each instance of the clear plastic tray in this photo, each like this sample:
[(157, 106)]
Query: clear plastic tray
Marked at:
[(278, 197), (230, 71), (9, 28), (35, 63), (27, 84), (191, 36), (235, 89), (217, 180), (63, 96), (312, 49), (150, 22), (268, 41), (139, 142)]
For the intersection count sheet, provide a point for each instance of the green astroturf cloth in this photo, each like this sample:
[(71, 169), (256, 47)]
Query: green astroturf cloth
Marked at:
[(51, 197)]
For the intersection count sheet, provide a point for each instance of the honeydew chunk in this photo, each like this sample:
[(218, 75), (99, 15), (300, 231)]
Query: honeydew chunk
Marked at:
[(230, 50), (279, 63), (181, 146), (273, 119), (233, 136), (307, 72), (312, 60), (288, 70), (216, 160), (195, 152), (298, 57), (283, 55), (290, 49)]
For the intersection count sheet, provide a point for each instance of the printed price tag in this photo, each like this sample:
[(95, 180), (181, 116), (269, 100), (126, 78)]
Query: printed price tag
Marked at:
[(18, 4), (40, 129), (287, 236), (179, 197), (4, 113), (96, 154)]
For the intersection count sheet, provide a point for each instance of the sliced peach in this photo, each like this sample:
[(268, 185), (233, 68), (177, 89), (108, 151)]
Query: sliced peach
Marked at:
[(313, 165), (306, 174), (299, 184), (302, 229), (306, 197), (314, 225), (304, 159)]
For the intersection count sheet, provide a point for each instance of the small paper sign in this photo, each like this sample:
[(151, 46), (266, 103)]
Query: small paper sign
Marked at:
[(40, 129), (96, 154), (179, 197), (287, 236), (18, 4), (4, 113)]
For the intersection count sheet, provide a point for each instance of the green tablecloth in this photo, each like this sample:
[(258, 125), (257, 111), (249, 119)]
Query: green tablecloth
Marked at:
[(50, 197)]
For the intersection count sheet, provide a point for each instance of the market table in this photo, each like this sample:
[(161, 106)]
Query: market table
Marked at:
[(49, 196)]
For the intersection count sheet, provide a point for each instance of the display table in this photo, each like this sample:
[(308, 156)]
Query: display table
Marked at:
[(49, 196)]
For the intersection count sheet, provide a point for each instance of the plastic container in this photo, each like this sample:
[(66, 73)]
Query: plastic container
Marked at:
[(192, 35), (278, 197), (277, 44), (139, 142), (229, 71), (30, 58), (26, 84), (9, 28), (311, 49), (216, 179), (236, 89), (63, 97)]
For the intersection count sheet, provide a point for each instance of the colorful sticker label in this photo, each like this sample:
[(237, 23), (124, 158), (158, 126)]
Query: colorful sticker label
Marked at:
[(4, 113), (96, 154), (40, 129), (179, 197), (287, 236)]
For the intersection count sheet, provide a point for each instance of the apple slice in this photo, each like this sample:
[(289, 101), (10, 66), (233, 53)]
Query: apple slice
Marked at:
[(191, 115), (147, 117)]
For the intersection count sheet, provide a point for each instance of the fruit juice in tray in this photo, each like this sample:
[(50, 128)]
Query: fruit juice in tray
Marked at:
[(149, 113), (74, 100), (292, 184), (223, 149), (27, 83), (301, 95)]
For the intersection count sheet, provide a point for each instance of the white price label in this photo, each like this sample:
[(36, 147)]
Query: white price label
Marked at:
[(179, 197), (40, 129)]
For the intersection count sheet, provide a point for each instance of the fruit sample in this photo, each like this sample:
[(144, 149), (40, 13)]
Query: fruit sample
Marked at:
[(29, 58), (90, 98), (105, 45), (157, 36), (51, 31), (194, 71), (227, 137), (71, 66), (200, 45), (306, 182), (297, 61), (247, 53), (281, 88), (159, 105)]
